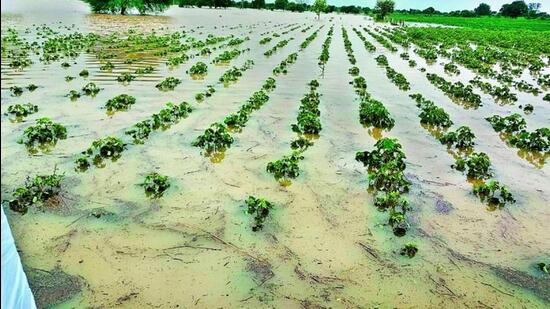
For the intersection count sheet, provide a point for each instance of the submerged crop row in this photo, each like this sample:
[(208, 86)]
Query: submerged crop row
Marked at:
[(512, 129), (386, 163), (307, 126), (476, 165), (217, 138)]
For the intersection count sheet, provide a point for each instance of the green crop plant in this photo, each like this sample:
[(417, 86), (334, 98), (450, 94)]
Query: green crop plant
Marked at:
[(169, 83), (410, 250), (91, 89), (373, 113), (390, 200), (508, 124), (155, 184), (477, 165), (16, 91), (214, 139), (108, 66), (39, 189), (301, 144), (494, 193), (389, 178), (308, 121), (382, 60), (45, 131), (538, 140), (125, 78), (177, 60), (285, 168), (31, 87), (434, 116), (259, 209), (237, 120), (144, 70), (73, 95), (108, 147), (269, 84), (463, 137), (386, 150), (120, 103), (22, 110), (199, 68)]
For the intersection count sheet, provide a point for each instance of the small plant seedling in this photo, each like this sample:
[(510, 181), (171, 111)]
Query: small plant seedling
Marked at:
[(285, 168), (461, 138), (398, 222), (199, 68), (508, 124), (31, 87), (259, 208), (38, 190), (390, 200), (108, 66), (84, 73), (494, 193), (120, 103), (410, 250), (90, 89), (301, 144), (269, 84), (373, 113), (125, 78), (214, 139), (144, 70), (199, 97), (16, 91), (538, 140), (434, 115), (107, 147), (69, 78), (44, 132), (477, 165), (354, 71), (155, 185), (22, 110), (168, 83), (73, 95)]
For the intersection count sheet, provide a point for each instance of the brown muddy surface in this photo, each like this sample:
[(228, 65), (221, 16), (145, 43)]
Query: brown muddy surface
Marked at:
[(325, 244)]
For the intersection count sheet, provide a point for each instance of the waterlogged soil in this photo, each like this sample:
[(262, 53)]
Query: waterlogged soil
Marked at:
[(325, 244)]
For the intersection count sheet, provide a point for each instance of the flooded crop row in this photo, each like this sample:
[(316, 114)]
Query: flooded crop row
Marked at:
[(246, 158)]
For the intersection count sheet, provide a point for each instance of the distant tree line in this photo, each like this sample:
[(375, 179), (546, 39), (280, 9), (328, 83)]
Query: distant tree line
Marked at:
[(514, 9), (287, 5)]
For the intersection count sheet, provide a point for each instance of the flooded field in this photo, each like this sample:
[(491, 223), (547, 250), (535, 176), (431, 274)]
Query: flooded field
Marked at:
[(102, 242)]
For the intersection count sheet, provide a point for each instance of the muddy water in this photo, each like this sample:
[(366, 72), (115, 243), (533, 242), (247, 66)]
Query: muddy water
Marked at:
[(325, 243)]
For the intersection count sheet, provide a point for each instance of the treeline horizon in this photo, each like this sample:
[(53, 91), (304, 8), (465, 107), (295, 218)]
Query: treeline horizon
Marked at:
[(514, 9)]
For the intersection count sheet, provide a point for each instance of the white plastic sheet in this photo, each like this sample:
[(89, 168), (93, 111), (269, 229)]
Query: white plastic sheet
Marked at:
[(16, 293)]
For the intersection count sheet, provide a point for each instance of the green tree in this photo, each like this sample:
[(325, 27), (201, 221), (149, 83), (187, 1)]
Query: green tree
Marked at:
[(514, 9), (258, 4), (483, 9), (319, 6), (123, 6), (383, 8), (429, 10), (281, 4)]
